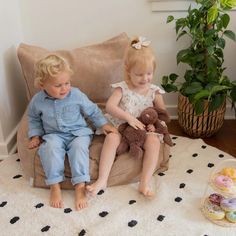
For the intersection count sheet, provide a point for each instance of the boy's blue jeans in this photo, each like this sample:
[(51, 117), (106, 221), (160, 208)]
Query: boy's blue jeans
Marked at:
[(52, 154)]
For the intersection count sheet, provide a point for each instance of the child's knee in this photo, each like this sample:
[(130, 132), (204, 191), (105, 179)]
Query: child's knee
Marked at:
[(114, 138), (152, 141)]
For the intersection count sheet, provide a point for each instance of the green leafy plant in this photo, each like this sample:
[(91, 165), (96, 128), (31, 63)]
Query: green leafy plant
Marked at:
[(206, 26)]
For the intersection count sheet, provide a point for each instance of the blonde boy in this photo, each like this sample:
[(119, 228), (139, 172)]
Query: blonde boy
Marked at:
[(57, 125)]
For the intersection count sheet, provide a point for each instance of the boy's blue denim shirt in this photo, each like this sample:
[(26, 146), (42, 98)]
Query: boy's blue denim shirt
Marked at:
[(49, 115)]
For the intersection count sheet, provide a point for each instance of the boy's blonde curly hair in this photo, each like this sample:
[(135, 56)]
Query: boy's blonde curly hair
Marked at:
[(49, 67)]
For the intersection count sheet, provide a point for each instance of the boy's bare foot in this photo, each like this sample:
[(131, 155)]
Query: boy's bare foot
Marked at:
[(145, 190), (94, 188), (55, 196), (80, 197)]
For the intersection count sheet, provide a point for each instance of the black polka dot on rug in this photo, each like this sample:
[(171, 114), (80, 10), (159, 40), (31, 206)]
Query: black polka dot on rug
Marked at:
[(221, 155), (17, 176), (194, 155), (174, 144), (18, 160), (67, 210), (189, 171), (178, 199), (210, 165), (45, 229), (182, 185), (160, 218), (132, 202), (132, 223), (39, 205), (82, 232), (170, 156), (161, 174), (3, 204), (203, 146), (103, 213), (14, 219), (100, 192), (174, 137)]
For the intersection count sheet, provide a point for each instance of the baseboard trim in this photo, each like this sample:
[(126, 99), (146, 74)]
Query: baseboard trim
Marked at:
[(8, 147), (172, 109)]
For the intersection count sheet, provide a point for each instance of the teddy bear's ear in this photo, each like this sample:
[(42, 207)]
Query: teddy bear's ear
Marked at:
[(162, 114)]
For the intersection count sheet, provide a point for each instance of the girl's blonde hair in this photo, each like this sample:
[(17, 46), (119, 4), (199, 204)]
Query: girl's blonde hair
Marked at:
[(49, 67), (143, 57)]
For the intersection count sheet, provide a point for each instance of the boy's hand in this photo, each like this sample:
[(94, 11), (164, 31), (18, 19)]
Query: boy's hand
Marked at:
[(108, 128), (34, 142)]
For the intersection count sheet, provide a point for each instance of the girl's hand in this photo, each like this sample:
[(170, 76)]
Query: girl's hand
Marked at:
[(34, 142), (135, 123), (151, 128), (108, 128)]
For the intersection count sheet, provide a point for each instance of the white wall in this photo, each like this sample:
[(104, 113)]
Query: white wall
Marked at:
[(12, 91), (66, 24), (58, 24)]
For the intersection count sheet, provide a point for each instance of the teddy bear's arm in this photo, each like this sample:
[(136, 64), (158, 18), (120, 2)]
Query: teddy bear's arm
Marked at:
[(122, 127)]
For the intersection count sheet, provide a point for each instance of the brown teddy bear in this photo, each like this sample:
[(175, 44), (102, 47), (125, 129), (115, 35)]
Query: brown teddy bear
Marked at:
[(133, 139)]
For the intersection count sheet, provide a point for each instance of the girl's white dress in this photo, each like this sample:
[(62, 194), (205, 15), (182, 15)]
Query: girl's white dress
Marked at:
[(133, 102)]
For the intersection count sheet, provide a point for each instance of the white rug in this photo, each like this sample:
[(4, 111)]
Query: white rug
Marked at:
[(175, 210)]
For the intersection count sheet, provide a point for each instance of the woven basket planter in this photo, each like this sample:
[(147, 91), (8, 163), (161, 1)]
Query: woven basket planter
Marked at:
[(201, 126)]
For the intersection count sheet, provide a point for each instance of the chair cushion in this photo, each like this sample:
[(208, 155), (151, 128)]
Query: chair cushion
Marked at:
[(95, 68)]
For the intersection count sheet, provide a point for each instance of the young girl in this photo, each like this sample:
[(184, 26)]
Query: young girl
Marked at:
[(127, 101), (57, 125)]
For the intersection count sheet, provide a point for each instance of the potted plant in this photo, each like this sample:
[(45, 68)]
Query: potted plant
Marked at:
[(204, 88)]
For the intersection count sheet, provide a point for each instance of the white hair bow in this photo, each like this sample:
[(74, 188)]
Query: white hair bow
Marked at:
[(142, 42)]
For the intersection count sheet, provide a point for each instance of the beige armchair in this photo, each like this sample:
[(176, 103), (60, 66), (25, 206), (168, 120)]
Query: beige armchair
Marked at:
[(95, 68)]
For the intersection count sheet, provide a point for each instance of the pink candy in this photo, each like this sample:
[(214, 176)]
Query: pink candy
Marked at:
[(223, 181)]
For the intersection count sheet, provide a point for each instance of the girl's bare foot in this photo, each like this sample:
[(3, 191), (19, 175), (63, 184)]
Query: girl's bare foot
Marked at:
[(145, 190), (80, 197), (94, 188), (55, 196)]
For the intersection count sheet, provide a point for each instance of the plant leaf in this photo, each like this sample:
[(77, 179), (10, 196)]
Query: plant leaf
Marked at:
[(228, 4), (169, 19), (173, 77), (212, 14), (225, 20), (216, 102), (218, 88), (181, 34), (221, 43), (230, 34), (164, 80), (193, 88), (199, 107), (170, 88), (202, 94), (180, 23), (233, 94), (181, 55)]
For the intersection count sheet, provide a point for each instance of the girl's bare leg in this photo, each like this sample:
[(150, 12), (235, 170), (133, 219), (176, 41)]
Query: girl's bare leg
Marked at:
[(55, 196), (107, 158), (80, 196), (150, 158)]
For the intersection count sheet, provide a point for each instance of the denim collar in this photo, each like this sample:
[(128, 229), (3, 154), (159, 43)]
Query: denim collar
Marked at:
[(47, 96)]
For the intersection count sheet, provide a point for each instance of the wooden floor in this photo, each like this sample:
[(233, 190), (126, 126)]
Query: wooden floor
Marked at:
[(224, 139)]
